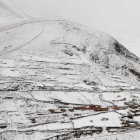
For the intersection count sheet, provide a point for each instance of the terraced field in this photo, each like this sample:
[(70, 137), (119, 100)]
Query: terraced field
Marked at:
[(60, 80)]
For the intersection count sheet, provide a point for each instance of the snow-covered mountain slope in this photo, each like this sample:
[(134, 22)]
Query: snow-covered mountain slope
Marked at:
[(62, 80), (8, 15), (11, 12), (20, 8)]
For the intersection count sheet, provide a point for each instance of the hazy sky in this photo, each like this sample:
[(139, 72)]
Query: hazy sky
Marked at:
[(119, 18)]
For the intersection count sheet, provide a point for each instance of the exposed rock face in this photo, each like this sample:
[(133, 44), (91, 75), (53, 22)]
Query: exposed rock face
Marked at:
[(62, 80)]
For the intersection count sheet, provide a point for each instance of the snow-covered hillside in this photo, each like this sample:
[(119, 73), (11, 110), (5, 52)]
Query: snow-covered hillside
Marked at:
[(12, 12), (62, 80)]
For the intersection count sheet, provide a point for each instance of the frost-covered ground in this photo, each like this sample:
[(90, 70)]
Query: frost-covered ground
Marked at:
[(61, 80)]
